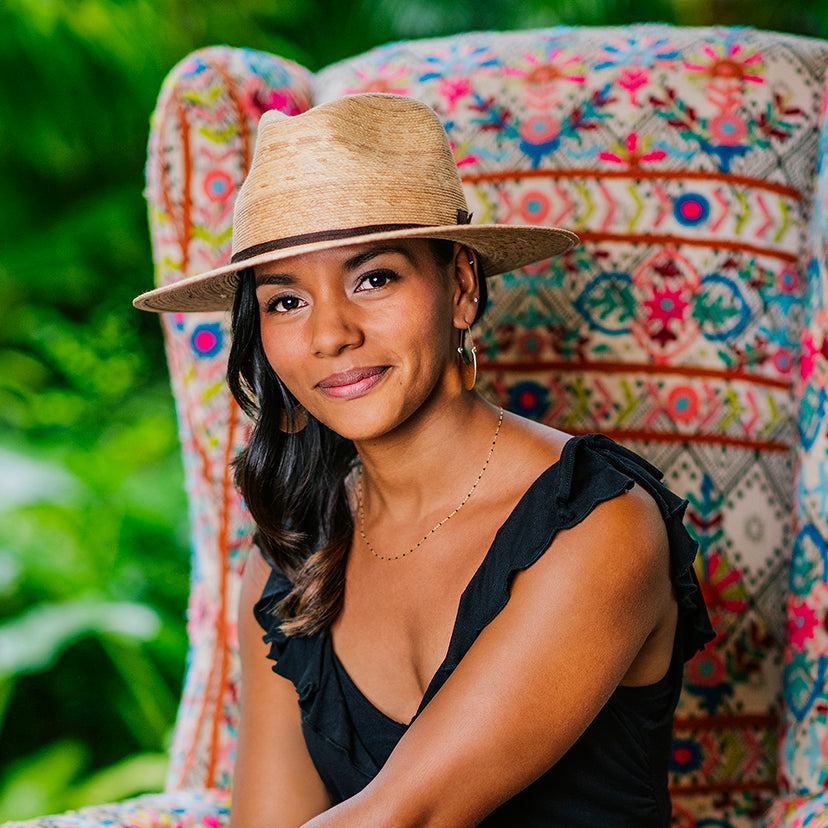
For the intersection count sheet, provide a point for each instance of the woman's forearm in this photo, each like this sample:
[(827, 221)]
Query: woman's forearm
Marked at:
[(360, 811)]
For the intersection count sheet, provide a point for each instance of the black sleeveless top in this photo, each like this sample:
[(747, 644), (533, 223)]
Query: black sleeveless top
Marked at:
[(615, 775)]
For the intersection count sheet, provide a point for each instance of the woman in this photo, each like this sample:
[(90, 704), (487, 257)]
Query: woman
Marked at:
[(474, 619)]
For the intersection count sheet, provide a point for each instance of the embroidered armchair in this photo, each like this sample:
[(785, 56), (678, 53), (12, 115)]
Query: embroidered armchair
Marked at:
[(690, 324)]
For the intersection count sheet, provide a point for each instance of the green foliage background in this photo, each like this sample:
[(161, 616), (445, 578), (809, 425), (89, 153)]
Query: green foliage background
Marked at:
[(93, 534)]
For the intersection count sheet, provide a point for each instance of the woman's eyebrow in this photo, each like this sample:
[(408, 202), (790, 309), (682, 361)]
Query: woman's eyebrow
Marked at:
[(366, 255), (353, 263), (274, 279)]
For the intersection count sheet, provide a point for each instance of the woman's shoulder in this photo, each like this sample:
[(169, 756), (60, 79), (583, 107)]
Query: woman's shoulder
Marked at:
[(262, 578), (642, 531), (256, 570), (601, 495), (535, 440), (535, 448), (255, 576), (526, 450), (585, 486), (263, 586), (572, 467)]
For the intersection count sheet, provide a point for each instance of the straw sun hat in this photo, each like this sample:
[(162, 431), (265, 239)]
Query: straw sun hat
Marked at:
[(360, 169)]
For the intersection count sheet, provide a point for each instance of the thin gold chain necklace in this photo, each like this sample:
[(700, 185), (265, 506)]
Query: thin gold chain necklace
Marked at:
[(361, 509)]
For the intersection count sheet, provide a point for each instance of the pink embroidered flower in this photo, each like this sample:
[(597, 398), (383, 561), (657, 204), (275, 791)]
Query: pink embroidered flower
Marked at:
[(256, 99), (631, 154), (802, 622), (380, 79), (218, 186), (783, 361), (284, 102), (788, 280), (728, 128), (632, 79), (707, 669), (555, 67), (539, 129), (666, 305), (683, 404), (452, 89), (535, 207), (807, 356), (726, 62)]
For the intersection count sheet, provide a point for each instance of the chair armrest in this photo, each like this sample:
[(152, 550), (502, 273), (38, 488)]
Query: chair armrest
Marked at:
[(797, 812), (209, 808)]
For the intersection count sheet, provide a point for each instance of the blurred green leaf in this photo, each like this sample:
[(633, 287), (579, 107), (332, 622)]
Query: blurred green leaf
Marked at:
[(149, 706), (27, 480), (141, 773), (36, 783), (50, 780), (32, 642)]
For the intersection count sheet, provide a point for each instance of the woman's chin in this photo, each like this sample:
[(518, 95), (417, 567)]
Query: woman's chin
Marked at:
[(362, 423)]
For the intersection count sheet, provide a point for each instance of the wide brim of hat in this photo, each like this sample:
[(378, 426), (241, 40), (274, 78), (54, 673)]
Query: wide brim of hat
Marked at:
[(500, 248)]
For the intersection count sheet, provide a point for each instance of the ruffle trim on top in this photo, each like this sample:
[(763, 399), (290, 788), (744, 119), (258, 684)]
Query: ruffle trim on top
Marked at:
[(591, 470), (297, 658), (309, 663), (694, 627)]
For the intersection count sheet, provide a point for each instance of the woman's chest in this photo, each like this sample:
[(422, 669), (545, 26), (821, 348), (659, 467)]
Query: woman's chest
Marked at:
[(398, 617)]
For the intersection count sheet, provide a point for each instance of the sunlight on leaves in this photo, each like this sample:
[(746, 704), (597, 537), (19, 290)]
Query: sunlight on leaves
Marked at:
[(32, 642)]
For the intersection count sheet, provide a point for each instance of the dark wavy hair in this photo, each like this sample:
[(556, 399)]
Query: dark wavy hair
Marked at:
[(293, 482)]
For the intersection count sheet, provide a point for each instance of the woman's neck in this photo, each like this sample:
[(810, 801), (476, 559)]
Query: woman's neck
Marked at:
[(429, 459)]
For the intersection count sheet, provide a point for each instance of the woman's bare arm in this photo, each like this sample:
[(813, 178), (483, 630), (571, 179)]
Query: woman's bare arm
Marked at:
[(275, 784), (575, 623)]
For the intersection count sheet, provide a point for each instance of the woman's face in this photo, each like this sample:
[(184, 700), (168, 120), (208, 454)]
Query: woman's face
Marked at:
[(362, 336)]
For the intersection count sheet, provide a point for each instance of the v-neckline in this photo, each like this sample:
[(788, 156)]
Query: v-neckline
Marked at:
[(427, 695)]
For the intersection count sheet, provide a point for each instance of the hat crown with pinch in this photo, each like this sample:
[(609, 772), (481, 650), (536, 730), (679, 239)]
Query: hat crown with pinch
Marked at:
[(368, 161)]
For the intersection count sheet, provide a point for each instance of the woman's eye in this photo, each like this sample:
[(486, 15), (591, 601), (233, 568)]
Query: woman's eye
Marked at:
[(375, 279), (283, 304)]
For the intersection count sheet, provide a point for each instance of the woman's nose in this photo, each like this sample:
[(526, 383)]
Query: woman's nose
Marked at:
[(335, 327)]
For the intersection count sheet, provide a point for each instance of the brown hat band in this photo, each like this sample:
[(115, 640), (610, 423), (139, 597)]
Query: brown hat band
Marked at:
[(311, 238), (463, 217)]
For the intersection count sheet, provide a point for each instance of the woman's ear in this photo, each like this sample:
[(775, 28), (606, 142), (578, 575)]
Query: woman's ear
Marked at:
[(466, 287)]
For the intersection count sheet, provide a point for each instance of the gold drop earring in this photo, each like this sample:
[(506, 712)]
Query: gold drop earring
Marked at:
[(295, 421), (468, 361)]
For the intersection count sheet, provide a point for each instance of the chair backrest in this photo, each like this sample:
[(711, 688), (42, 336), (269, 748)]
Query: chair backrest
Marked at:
[(685, 160), (804, 757)]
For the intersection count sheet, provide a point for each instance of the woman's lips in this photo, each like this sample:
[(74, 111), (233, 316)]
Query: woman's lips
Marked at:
[(352, 384)]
